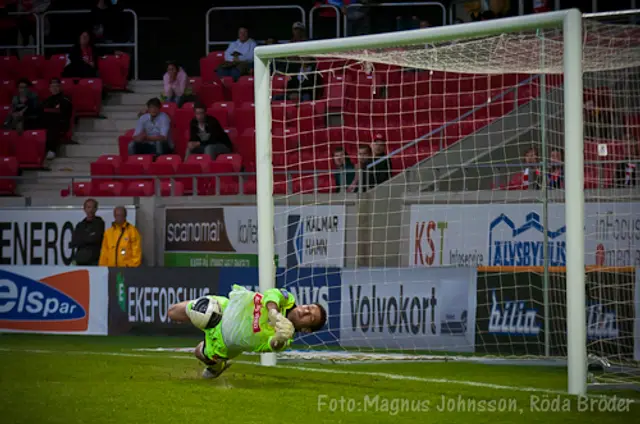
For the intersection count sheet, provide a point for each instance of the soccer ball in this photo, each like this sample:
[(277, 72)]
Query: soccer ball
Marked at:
[(205, 312)]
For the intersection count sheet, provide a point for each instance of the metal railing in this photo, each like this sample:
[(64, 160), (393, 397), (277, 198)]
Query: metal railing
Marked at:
[(500, 169), (37, 36), (324, 6), (345, 29), (44, 46), (208, 42)]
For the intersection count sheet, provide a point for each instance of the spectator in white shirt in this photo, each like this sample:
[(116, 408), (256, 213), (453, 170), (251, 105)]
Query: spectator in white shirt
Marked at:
[(238, 56)]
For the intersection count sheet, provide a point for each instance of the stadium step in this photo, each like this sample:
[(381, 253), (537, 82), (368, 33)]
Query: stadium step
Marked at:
[(152, 88), (130, 99), (73, 166), (120, 125), (131, 109), (97, 137), (92, 151)]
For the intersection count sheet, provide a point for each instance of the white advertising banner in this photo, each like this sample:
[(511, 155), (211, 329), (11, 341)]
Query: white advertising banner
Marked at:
[(33, 236), (409, 308), (513, 234), (54, 299), (228, 236)]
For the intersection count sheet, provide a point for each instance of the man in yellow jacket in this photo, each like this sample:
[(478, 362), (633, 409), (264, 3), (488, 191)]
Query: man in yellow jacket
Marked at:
[(121, 244)]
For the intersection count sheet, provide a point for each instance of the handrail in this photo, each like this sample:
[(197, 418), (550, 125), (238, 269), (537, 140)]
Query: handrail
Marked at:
[(85, 11), (208, 42), (324, 6), (454, 121), (345, 30), (37, 35)]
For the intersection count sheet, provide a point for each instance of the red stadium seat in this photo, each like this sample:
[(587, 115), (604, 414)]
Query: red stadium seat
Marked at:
[(32, 66), (123, 143), (105, 166), (108, 189), (233, 158), (233, 134), (246, 146), (169, 109), (9, 68), (228, 183), (8, 168), (242, 91), (30, 148), (201, 159), (173, 160), (8, 141), (224, 112), (8, 89), (81, 189), (249, 185), (114, 71), (171, 188), (144, 160), (41, 89), (210, 93), (182, 120), (87, 97), (187, 181), (54, 66), (245, 117), (279, 85), (138, 189), (196, 84), (162, 169), (209, 65)]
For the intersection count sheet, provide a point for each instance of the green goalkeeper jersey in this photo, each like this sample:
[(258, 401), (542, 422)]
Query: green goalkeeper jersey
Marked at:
[(245, 322)]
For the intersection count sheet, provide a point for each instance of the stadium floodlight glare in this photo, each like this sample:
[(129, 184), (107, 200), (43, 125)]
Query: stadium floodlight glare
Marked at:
[(435, 49)]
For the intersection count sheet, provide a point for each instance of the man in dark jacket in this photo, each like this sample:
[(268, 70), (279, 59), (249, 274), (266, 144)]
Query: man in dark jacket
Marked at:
[(57, 117), (87, 237), (207, 135)]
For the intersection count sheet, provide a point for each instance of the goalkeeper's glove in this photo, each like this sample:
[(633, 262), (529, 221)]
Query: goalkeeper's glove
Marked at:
[(284, 327)]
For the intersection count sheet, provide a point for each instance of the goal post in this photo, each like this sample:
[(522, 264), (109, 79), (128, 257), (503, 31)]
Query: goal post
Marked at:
[(570, 24)]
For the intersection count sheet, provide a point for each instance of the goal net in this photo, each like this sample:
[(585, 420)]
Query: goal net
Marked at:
[(420, 191)]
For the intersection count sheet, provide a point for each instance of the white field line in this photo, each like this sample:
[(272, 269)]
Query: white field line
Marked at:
[(387, 376)]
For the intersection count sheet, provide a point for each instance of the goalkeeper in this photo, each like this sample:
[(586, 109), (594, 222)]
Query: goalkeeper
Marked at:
[(250, 322)]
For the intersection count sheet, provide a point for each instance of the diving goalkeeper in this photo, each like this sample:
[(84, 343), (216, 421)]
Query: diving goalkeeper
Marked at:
[(246, 322)]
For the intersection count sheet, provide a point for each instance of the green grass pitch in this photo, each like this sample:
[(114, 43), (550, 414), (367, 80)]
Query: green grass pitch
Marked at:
[(67, 380)]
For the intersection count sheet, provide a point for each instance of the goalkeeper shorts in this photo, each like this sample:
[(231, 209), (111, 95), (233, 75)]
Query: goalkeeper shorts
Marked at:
[(214, 346)]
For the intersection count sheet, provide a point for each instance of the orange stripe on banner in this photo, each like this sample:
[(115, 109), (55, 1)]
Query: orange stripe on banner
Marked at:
[(557, 269)]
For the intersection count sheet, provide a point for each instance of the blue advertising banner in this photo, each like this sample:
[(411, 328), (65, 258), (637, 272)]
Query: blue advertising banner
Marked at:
[(308, 285)]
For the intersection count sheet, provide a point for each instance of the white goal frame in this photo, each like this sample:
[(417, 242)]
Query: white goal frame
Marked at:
[(571, 23)]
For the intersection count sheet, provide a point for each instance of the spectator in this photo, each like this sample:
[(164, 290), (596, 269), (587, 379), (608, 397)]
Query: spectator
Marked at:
[(104, 21), (25, 109), (153, 131), (531, 177), (207, 135), (555, 178), (358, 19), (307, 85), (176, 85), (83, 58), (362, 178), (298, 32), (238, 56), (626, 171), (121, 244), (381, 171), (57, 117), (345, 173), (86, 240)]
